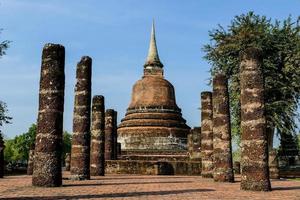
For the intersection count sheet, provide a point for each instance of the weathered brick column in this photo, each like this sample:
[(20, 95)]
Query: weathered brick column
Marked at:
[(223, 170), (254, 151), (194, 143), (30, 159), (67, 162), (80, 153), (190, 143), (273, 164), (119, 150), (237, 167), (48, 143), (109, 134), (98, 136), (1, 156), (207, 135), (115, 136)]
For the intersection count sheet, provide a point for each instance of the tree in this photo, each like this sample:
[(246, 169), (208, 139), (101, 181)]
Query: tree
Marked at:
[(67, 142), (280, 44), (17, 149), (3, 46), (4, 119)]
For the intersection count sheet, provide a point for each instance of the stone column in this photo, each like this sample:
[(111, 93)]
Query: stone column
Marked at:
[(119, 150), (98, 137), (273, 164), (48, 143), (190, 144), (30, 160), (194, 143), (67, 162), (237, 167), (2, 165), (80, 152), (254, 151), (207, 135), (223, 170), (109, 134), (115, 136)]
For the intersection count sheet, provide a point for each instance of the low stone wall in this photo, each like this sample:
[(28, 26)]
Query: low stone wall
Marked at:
[(153, 167), (289, 172)]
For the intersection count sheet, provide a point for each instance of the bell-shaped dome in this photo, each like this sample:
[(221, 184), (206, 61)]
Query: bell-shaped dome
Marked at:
[(152, 92)]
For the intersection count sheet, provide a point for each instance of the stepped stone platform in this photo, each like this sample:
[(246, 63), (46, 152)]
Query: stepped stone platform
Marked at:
[(154, 163)]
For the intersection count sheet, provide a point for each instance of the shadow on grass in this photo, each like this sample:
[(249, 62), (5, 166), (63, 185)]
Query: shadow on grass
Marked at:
[(112, 195), (125, 183)]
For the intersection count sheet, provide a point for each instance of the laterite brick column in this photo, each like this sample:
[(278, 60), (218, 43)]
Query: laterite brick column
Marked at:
[(237, 167), (67, 162), (1, 156), (30, 160), (223, 169), (98, 136), (207, 135), (48, 143), (115, 136), (273, 164), (80, 153), (109, 134), (254, 151), (190, 143)]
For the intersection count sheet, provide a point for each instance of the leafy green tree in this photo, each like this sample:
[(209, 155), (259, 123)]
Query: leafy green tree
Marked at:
[(280, 44), (67, 143), (17, 149), (4, 119), (24, 142), (3, 46)]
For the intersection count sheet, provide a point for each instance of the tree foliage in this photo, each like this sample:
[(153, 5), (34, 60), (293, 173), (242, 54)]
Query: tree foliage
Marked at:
[(4, 119), (279, 42), (3, 46), (17, 149)]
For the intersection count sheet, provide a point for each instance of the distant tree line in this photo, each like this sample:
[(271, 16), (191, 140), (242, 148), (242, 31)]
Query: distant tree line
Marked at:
[(17, 149)]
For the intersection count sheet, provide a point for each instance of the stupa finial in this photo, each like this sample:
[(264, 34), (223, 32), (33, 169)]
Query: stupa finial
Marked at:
[(153, 58)]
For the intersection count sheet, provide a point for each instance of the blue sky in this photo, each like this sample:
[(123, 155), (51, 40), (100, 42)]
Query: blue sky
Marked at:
[(116, 35)]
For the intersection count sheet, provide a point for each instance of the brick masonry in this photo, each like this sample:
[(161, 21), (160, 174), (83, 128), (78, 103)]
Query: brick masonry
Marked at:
[(222, 153), (80, 152), (98, 136), (207, 134), (254, 145), (48, 143)]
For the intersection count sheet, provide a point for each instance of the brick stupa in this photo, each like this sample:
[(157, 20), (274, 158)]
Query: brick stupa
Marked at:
[(153, 121), (153, 134)]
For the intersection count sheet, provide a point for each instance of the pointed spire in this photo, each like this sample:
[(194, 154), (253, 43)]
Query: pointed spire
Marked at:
[(153, 58)]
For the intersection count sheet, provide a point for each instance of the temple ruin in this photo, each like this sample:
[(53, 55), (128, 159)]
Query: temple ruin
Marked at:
[(153, 133), (153, 121)]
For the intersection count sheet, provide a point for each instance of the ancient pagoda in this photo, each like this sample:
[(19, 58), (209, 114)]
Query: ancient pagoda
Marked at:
[(153, 121)]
